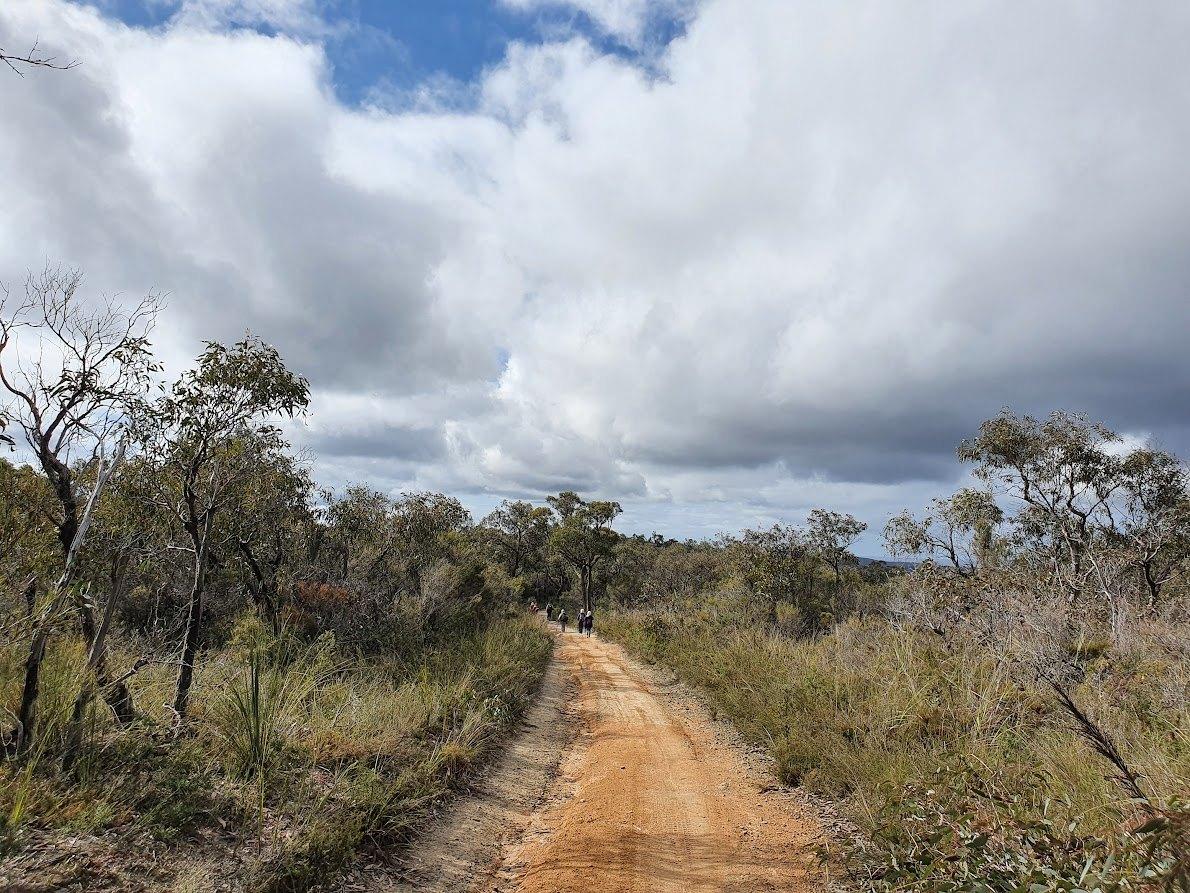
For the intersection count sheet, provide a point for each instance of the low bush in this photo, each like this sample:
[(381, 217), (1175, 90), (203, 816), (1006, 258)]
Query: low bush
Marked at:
[(969, 827)]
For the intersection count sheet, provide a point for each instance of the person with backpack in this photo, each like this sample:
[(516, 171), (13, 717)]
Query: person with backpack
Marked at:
[(562, 618), (549, 612), (588, 623)]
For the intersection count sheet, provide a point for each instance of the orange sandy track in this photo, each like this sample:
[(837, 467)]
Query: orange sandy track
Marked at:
[(651, 799)]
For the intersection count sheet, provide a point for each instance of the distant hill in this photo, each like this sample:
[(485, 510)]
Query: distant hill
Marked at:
[(908, 565)]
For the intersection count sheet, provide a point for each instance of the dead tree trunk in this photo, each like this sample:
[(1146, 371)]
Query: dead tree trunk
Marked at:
[(22, 735), (189, 647), (116, 692)]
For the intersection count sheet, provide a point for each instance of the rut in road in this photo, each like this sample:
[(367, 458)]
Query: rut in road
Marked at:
[(648, 796)]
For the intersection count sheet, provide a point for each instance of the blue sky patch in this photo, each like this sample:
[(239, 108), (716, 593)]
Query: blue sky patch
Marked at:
[(396, 45)]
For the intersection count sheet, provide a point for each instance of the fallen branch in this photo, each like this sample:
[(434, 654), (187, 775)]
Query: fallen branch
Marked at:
[(1103, 745)]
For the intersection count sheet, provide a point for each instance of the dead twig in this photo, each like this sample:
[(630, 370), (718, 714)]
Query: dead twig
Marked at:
[(1103, 745), (34, 59)]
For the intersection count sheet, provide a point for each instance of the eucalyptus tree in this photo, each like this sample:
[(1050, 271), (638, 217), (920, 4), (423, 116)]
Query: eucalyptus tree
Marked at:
[(274, 529), (519, 532), (832, 534), (425, 531), (660, 573), (632, 562), (1061, 474), (211, 435), (73, 372), (584, 537), (776, 564), (565, 504), (356, 546), (960, 528), (1094, 513), (682, 571), (131, 551), (1153, 520)]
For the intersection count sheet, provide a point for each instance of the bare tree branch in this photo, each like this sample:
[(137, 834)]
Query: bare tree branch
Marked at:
[(35, 59)]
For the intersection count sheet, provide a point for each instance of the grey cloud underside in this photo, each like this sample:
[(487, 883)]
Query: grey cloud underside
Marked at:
[(412, 445), (798, 259), (347, 301), (264, 237), (874, 447)]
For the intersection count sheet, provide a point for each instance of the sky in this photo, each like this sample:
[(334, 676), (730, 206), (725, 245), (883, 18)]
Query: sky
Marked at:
[(721, 260)]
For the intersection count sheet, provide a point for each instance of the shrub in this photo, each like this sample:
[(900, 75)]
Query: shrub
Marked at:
[(968, 829)]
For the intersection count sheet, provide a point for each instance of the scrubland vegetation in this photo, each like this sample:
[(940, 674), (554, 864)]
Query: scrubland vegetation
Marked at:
[(299, 749), (211, 668)]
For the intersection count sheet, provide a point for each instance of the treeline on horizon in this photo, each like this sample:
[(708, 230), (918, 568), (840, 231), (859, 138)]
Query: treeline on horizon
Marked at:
[(195, 633)]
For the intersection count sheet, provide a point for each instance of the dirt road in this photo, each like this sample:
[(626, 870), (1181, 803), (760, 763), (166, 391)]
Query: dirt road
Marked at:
[(649, 794)]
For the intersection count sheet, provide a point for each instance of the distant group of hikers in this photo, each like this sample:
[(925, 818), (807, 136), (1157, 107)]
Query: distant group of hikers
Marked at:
[(586, 619)]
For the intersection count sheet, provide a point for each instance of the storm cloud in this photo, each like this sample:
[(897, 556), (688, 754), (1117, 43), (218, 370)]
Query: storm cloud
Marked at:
[(788, 259)]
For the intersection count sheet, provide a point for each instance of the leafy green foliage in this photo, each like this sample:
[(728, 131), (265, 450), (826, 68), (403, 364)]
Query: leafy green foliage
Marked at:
[(959, 528), (519, 533), (831, 535)]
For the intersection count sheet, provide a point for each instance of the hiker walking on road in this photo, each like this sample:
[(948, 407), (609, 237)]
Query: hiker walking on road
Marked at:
[(588, 623), (549, 612), (562, 618)]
